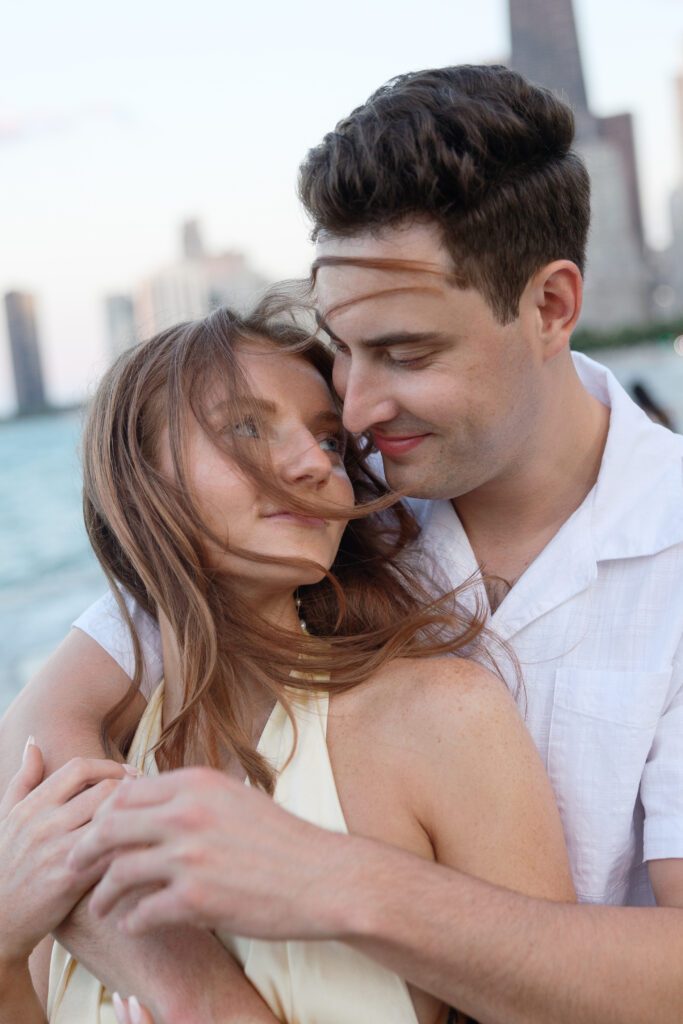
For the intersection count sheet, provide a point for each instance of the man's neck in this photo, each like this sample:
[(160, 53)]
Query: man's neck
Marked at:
[(511, 519)]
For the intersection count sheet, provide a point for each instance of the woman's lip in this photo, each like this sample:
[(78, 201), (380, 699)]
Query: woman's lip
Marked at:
[(297, 520), (397, 445)]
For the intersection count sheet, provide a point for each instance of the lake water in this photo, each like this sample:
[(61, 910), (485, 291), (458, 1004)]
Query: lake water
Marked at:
[(47, 572)]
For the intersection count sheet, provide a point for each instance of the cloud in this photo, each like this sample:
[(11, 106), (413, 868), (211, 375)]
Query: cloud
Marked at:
[(17, 128)]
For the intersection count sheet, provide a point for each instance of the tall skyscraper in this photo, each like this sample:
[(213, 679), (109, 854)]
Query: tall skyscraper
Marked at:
[(23, 338), (545, 49), (120, 323), (193, 244)]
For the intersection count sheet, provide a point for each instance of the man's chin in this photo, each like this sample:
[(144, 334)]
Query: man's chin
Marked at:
[(428, 483), (411, 481)]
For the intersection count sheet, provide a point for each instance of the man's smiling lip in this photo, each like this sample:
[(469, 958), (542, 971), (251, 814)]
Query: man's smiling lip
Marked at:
[(394, 444)]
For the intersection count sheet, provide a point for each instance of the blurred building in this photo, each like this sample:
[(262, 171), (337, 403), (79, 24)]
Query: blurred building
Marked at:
[(26, 362), (673, 257), (196, 284), (545, 49), (120, 314)]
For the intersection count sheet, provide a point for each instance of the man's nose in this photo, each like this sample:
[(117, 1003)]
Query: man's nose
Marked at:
[(366, 401)]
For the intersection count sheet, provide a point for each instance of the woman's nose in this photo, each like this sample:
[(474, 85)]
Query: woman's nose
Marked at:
[(302, 460)]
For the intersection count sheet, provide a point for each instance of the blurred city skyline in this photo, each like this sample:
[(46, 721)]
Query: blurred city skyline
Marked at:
[(119, 124)]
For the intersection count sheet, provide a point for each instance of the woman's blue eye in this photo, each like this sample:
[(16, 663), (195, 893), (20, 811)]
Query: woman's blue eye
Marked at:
[(246, 428), (336, 445)]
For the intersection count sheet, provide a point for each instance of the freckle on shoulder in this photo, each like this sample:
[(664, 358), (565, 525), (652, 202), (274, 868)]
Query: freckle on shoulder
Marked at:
[(448, 685)]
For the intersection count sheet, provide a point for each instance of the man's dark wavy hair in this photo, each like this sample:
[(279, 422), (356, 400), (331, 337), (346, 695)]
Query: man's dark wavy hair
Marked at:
[(479, 151)]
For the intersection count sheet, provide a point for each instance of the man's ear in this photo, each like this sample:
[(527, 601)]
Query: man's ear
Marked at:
[(555, 294)]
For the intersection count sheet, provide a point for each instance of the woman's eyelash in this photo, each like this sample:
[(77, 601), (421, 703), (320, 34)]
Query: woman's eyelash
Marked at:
[(245, 428), (338, 439), (248, 428)]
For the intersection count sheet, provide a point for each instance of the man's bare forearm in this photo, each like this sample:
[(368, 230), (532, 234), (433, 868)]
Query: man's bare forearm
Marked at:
[(184, 975), (507, 959)]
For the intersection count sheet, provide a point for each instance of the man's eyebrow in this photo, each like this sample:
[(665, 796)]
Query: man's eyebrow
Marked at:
[(402, 338), (324, 326), (388, 340)]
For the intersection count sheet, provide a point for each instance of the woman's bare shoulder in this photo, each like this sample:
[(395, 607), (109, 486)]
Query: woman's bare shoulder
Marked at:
[(440, 742), (430, 693), (443, 714)]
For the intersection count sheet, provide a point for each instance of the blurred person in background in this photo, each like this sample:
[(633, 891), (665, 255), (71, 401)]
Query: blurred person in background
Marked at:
[(643, 396), (451, 217)]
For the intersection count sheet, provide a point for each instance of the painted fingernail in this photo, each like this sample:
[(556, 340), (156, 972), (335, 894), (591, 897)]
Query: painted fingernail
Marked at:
[(30, 742), (119, 1008), (132, 770), (135, 1010)]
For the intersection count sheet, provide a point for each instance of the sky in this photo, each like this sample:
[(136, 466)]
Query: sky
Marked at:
[(119, 121)]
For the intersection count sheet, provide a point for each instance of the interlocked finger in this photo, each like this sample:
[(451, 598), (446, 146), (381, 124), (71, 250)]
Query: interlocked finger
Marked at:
[(158, 910), (114, 830), (127, 872), (82, 808)]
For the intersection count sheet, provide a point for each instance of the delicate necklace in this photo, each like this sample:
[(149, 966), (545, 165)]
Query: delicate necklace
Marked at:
[(302, 621), (320, 677)]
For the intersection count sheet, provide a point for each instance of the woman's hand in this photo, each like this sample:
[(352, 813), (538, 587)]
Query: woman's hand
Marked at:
[(129, 1011), (40, 822)]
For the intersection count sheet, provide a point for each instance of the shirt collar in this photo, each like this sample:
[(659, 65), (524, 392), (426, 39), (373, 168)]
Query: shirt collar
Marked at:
[(637, 501)]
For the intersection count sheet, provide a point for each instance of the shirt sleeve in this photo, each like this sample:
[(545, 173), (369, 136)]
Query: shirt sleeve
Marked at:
[(661, 787), (103, 622)]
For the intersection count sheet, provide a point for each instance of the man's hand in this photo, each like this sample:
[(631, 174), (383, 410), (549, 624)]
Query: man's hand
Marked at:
[(221, 854), (225, 855)]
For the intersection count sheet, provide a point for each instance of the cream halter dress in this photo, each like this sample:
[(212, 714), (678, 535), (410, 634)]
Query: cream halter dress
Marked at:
[(302, 982)]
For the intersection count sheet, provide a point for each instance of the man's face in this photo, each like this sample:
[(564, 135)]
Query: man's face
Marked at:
[(449, 395)]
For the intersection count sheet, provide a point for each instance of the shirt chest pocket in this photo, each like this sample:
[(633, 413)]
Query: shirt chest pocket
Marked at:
[(602, 727)]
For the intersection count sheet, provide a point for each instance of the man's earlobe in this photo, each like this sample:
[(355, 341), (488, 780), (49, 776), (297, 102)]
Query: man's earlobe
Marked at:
[(559, 292)]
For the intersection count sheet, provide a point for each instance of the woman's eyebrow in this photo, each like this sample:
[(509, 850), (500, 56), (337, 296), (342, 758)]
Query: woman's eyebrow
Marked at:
[(326, 418), (245, 403)]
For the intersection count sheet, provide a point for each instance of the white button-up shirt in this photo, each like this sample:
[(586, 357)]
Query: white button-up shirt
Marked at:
[(596, 622)]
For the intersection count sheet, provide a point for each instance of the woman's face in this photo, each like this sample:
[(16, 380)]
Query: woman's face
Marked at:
[(305, 444)]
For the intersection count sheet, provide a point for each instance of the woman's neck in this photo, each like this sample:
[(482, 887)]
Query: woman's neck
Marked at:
[(279, 610)]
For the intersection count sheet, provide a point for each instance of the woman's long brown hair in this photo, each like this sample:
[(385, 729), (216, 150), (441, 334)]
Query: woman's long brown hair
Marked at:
[(371, 607)]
